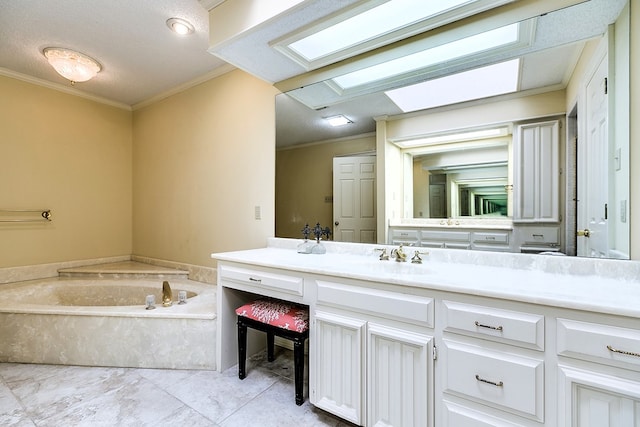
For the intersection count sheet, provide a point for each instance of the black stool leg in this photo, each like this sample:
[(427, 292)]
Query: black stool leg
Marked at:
[(270, 346), (242, 349), (298, 366)]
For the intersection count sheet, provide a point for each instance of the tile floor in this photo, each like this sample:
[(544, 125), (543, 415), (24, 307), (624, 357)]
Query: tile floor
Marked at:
[(53, 395)]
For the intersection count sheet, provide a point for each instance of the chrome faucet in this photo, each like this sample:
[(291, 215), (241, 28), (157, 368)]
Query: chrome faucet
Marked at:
[(167, 295), (417, 259), (399, 254), (384, 256)]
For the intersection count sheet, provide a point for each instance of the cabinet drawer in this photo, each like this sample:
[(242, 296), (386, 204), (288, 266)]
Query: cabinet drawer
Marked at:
[(432, 244), (509, 327), (457, 245), (493, 237), (597, 342), (408, 308), (409, 235), (540, 235), (503, 380), (459, 416), (262, 280), (447, 236)]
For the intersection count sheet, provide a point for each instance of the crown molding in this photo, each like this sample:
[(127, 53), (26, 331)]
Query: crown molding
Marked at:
[(62, 88)]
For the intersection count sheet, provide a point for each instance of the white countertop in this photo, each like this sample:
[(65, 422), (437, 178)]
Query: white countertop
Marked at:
[(605, 286)]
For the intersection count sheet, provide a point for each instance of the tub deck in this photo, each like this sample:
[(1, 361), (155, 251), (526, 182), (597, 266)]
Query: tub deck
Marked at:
[(176, 337), (125, 269)]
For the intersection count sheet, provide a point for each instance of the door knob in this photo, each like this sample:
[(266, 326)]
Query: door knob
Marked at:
[(337, 223), (585, 232)]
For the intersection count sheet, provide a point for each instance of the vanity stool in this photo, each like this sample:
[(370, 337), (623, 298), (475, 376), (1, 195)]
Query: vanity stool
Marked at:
[(276, 318)]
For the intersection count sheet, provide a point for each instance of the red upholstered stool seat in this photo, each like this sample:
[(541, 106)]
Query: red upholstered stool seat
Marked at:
[(277, 313), (276, 318)]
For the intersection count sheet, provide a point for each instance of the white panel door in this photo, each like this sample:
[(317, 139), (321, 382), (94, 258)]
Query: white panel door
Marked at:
[(354, 199), (339, 365), (592, 191), (399, 374)]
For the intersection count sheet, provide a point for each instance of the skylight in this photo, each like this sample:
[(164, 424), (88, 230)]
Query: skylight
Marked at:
[(447, 52), (368, 25), (372, 23), (478, 83)]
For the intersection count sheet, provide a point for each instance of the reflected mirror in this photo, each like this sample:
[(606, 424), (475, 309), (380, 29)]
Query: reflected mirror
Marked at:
[(463, 179), (460, 183)]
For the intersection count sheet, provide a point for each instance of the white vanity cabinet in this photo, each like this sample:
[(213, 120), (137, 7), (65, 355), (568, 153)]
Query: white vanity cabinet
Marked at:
[(452, 344), (454, 237), (605, 389), (374, 354)]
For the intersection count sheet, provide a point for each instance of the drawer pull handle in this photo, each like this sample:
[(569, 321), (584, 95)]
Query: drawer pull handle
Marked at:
[(482, 380), (628, 353), (495, 328), (251, 279)]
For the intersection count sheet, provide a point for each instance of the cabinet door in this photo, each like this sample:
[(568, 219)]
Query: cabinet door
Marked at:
[(591, 399), (339, 365), (399, 377), (536, 186)]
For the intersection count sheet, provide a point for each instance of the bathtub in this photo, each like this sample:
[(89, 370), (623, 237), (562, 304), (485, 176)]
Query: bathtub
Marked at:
[(103, 322)]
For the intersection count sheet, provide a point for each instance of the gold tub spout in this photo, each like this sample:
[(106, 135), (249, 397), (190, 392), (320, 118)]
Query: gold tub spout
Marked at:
[(167, 295)]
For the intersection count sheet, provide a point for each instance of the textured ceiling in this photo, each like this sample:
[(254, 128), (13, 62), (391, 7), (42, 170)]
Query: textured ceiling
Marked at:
[(140, 57)]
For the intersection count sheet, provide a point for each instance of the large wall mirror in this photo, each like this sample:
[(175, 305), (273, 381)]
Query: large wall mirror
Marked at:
[(432, 174)]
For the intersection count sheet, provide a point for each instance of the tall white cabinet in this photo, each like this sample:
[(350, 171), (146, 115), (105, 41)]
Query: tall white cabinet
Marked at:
[(536, 186)]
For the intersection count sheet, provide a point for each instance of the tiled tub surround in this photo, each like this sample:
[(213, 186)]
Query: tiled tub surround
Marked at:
[(96, 267), (64, 320)]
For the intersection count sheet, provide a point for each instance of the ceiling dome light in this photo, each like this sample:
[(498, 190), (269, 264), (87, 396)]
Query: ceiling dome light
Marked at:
[(73, 66), (180, 26)]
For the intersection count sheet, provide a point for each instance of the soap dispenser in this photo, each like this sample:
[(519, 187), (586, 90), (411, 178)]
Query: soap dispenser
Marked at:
[(318, 232), (306, 246)]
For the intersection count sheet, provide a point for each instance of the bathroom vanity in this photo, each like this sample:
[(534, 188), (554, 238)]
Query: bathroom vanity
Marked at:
[(464, 339)]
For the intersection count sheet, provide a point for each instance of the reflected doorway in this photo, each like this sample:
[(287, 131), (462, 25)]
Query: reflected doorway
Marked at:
[(354, 199)]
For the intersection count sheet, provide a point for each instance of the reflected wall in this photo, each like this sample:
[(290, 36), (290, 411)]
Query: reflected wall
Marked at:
[(304, 181)]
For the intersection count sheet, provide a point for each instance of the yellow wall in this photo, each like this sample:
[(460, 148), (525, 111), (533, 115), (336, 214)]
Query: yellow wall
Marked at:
[(70, 155), (304, 177), (202, 160)]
